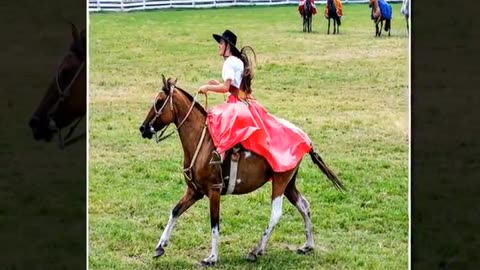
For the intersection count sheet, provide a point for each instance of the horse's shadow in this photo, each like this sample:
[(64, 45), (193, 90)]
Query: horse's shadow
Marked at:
[(276, 257), (301, 32)]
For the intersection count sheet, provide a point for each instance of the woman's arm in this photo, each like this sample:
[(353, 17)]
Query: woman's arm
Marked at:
[(219, 88)]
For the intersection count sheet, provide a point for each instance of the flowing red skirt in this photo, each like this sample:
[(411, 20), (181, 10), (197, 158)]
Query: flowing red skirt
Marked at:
[(280, 142)]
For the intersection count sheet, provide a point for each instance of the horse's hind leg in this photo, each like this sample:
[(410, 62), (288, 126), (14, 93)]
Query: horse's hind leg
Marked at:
[(302, 205), (214, 196), (406, 19), (328, 29), (187, 200), (279, 184), (338, 25), (381, 28)]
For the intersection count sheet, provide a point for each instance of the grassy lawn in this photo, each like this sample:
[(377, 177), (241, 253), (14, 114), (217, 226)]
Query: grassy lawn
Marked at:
[(348, 92)]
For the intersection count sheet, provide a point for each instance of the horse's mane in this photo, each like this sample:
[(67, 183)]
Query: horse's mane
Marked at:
[(197, 105), (190, 98), (79, 48)]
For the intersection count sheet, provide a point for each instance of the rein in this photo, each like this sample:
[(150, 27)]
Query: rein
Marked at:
[(159, 138), (186, 171), (64, 93)]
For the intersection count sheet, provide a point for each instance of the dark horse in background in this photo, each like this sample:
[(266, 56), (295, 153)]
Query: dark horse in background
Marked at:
[(381, 11), (335, 13), (65, 100), (175, 105), (307, 11)]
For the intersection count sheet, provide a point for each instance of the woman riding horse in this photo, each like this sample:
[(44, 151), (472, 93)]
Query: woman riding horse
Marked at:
[(242, 120), (302, 4)]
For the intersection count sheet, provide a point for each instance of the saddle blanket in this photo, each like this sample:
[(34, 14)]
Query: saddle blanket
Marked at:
[(302, 3), (338, 6), (385, 9)]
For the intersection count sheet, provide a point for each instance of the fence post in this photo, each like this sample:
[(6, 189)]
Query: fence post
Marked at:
[(98, 5), (121, 5), (144, 6)]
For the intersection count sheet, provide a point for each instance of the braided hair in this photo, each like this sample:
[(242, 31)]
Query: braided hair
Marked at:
[(247, 75)]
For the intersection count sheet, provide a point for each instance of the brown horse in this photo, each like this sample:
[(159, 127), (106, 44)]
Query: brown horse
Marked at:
[(331, 12), (377, 17), (174, 105), (307, 14), (65, 99)]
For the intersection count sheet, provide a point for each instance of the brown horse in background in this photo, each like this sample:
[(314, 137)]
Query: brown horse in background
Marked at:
[(66, 97), (376, 16), (174, 105), (331, 12)]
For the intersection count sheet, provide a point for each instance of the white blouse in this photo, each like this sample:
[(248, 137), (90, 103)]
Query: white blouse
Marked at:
[(233, 70)]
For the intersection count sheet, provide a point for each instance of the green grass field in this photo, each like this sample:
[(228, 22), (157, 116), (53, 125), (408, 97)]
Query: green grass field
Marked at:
[(348, 92)]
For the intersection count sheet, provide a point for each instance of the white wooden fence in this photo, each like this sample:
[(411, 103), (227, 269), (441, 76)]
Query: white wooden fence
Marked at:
[(132, 5)]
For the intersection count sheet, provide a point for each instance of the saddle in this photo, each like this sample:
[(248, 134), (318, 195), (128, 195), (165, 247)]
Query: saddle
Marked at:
[(229, 168)]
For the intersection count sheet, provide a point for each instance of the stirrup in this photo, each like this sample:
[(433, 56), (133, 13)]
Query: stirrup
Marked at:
[(216, 158)]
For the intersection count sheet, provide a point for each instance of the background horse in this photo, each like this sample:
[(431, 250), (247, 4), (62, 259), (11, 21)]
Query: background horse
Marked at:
[(307, 10), (65, 99), (333, 10), (381, 11), (406, 12), (174, 105)]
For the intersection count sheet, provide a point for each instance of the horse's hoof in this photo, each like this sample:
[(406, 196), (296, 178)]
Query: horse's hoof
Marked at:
[(251, 257), (206, 263), (159, 252), (304, 250)]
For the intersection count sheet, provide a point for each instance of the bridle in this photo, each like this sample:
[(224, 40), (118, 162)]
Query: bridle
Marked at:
[(62, 95), (169, 100), (186, 171)]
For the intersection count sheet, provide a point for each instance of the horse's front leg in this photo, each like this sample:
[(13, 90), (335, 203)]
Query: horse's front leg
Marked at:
[(328, 31), (214, 196), (188, 199)]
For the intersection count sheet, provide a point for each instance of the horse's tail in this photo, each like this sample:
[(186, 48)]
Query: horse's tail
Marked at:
[(387, 24), (324, 168)]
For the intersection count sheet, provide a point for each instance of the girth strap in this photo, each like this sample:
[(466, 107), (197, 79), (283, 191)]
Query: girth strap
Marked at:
[(232, 180)]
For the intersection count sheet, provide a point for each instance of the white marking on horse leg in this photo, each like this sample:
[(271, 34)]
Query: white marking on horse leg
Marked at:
[(248, 154), (304, 209), (167, 232), (274, 218), (214, 252)]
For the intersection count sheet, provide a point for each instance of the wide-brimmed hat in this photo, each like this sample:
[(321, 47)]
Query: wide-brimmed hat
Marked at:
[(230, 38)]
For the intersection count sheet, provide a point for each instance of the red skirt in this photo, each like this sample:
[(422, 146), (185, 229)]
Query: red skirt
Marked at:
[(280, 142)]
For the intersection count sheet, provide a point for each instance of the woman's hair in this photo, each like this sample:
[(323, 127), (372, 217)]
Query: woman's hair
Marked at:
[(247, 75)]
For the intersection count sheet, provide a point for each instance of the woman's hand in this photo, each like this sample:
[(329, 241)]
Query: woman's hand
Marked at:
[(213, 82), (203, 89)]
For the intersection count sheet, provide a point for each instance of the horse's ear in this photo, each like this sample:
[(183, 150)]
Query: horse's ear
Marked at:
[(165, 87), (75, 34)]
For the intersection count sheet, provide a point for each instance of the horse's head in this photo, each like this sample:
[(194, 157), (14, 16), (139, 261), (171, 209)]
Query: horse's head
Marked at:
[(65, 98), (371, 2), (161, 113)]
